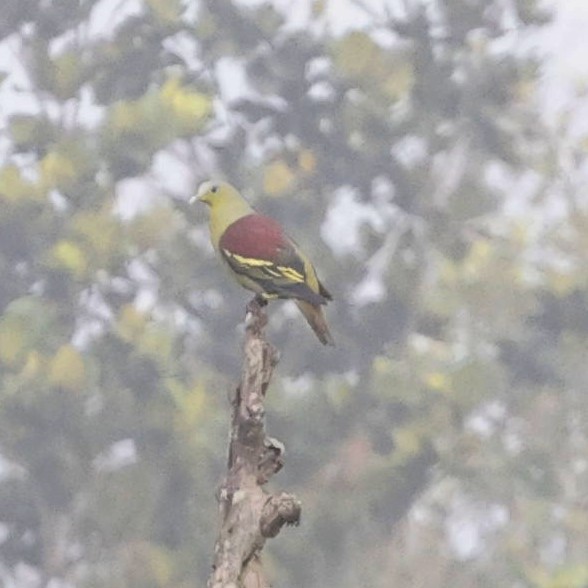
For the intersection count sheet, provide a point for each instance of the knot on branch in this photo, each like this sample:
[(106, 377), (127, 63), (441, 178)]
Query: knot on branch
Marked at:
[(271, 460), (255, 316), (278, 511)]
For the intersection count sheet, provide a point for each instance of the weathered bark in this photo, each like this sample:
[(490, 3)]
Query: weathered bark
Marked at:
[(249, 514)]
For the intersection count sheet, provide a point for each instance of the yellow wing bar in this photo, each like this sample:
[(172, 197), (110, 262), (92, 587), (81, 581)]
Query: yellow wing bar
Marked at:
[(251, 261), (267, 267), (290, 272)]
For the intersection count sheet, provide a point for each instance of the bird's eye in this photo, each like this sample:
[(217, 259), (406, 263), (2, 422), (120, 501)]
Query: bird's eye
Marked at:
[(214, 189)]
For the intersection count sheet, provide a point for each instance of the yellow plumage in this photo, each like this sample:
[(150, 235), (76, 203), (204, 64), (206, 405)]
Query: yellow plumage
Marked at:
[(261, 257)]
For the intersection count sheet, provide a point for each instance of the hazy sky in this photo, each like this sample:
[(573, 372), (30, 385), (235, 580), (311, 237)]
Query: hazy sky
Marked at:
[(566, 71), (565, 41)]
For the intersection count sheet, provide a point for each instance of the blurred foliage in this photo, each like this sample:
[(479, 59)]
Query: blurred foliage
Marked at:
[(444, 441)]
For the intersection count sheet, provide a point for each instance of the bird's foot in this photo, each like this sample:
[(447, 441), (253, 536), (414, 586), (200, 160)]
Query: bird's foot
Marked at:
[(254, 312), (260, 300)]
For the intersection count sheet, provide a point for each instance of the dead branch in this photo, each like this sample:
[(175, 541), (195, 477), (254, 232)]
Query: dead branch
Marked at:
[(249, 514)]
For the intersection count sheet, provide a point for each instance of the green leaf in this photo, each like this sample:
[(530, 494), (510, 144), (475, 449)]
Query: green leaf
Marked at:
[(67, 369)]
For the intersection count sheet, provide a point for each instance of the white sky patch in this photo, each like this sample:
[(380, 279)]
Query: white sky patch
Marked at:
[(485, 421), (299, 386), (11, 64), (298, 13), (343, 15), (134, 196), (344, 220), (232, 79), (410, 150), (565, 71), (338, 16), (469, 526), (15, 97), (173, 173), (108, 14), (372, 288), (119, 455)]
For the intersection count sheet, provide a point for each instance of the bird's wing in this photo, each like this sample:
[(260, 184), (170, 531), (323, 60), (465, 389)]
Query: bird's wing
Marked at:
[(256, 247)]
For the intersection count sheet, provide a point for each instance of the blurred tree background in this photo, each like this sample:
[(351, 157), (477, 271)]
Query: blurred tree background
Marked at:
[(443, 443)]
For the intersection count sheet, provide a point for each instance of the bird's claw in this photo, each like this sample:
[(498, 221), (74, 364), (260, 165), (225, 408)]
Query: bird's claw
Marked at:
[(254, 312), (260, 300)]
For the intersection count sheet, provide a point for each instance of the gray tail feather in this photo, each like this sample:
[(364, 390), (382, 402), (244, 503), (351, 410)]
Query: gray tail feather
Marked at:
[(315, 317)]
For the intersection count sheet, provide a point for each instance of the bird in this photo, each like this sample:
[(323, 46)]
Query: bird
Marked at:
[(261, 256)]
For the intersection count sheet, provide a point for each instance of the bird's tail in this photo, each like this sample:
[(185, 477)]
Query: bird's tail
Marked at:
[(315, 317)]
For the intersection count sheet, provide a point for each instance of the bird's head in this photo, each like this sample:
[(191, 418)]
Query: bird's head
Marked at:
[(225, 203), (215, 193)]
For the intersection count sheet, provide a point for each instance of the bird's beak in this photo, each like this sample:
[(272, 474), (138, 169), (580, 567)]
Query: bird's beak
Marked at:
[(200, 196)]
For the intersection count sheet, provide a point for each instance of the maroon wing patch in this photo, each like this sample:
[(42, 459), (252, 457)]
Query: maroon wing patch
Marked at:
[(256, 247), (255, 236)]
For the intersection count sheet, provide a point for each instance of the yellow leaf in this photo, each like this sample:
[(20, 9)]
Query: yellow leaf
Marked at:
[(148, 565), (57, 171), (438, 381), (167, 11), (27, 130), (191, 402), (583, 143), (12, 341), (101, 231), (401, 80), (67, 369), (188, 107), (525, 90), (277, 178), (156, 343), (572, 576), (478, 259), (562, 283), (131, 323), (318, 8), (150, 228), (68, 74), (307, 161), (480, 251), (407, 442), (125, 116), (34, 365), (68, 255), (382, 365), (161, 566), (13, 186), (356, 53)]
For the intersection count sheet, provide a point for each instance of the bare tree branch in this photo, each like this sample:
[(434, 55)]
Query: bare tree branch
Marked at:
[(249, 514)]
